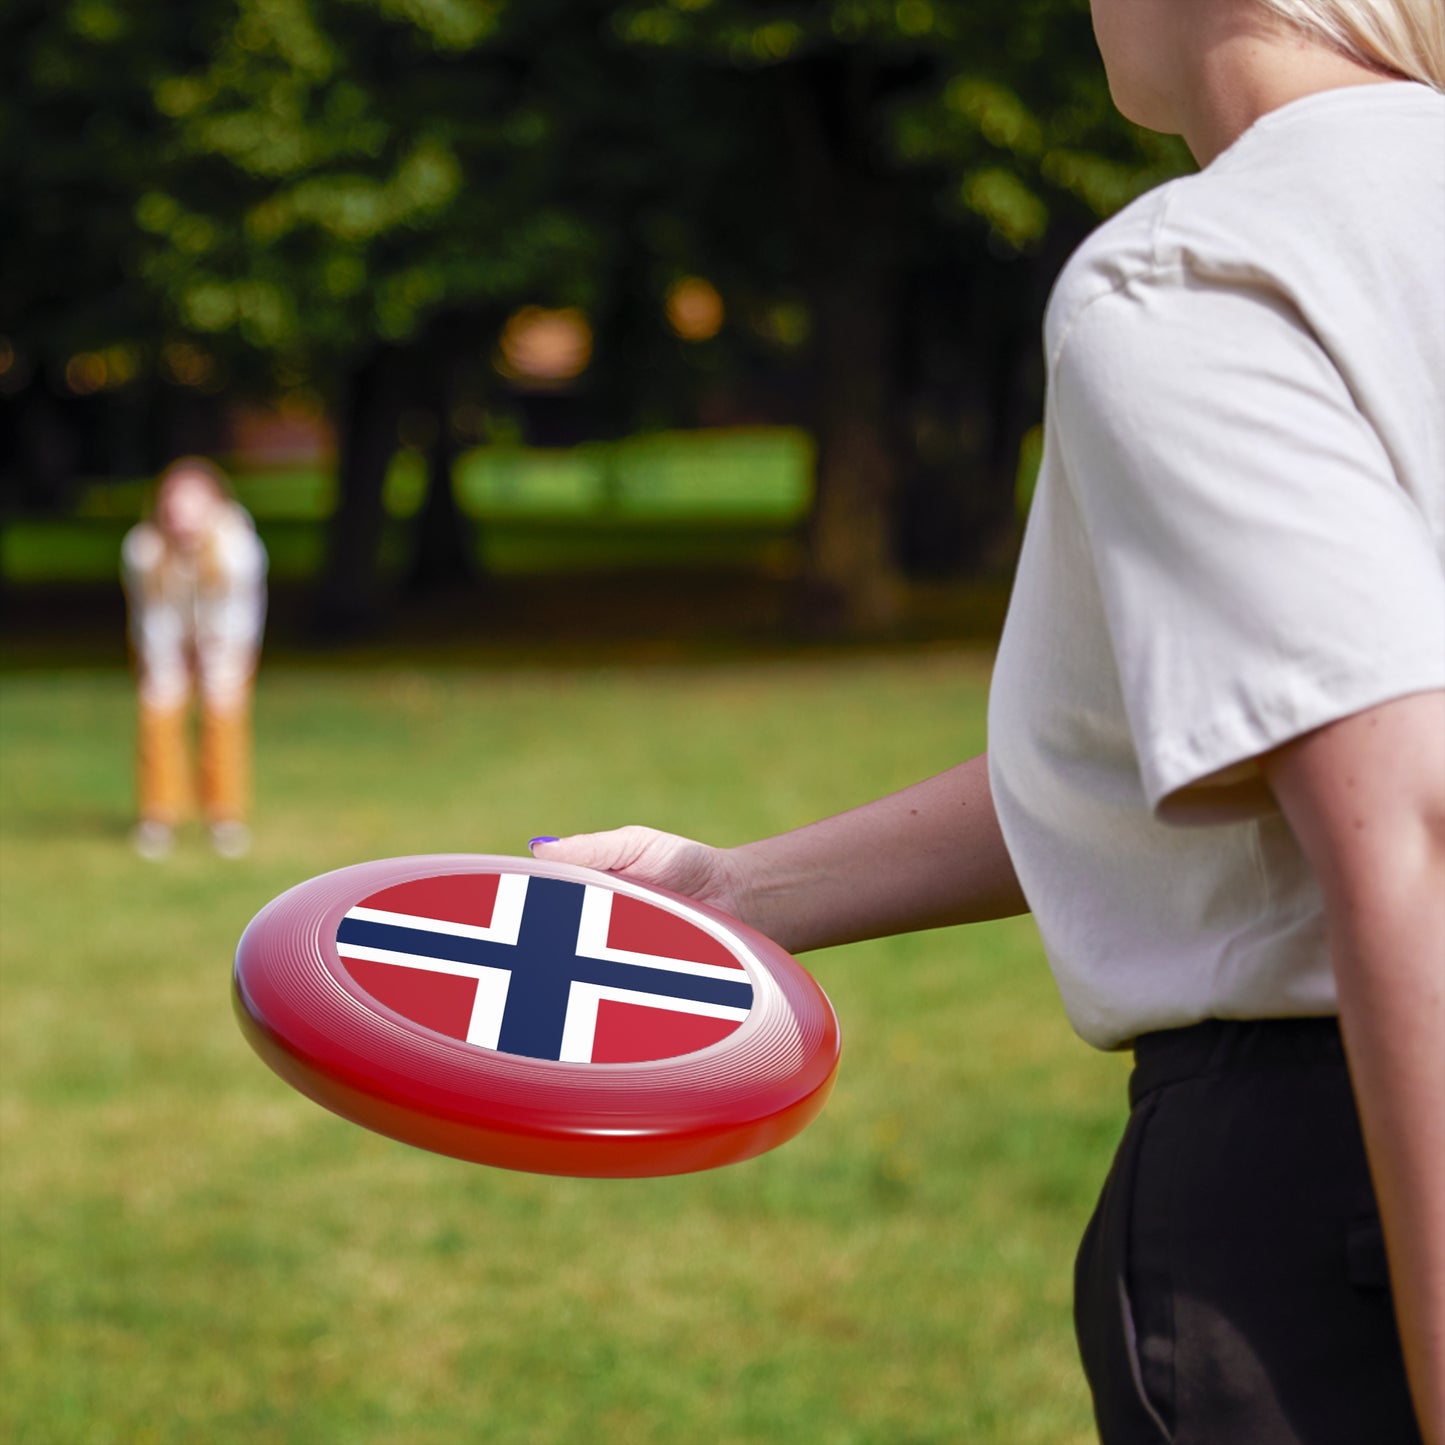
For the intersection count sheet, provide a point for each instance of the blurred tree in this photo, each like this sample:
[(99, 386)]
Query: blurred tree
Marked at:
[(919, 170), (360, 191), (355, 194), (79, 139)]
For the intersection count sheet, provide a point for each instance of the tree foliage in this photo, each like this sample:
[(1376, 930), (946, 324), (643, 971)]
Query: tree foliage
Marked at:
[(353, 194)]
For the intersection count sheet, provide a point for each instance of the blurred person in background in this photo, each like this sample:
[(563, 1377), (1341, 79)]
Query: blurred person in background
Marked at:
[(1216, 767), (195, 583)]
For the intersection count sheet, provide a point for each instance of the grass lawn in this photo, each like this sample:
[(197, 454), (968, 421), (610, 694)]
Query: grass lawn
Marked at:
[(192, 1252)]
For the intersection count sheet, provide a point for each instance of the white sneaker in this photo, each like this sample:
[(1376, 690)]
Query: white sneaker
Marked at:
[(231, 839), (152, 840)]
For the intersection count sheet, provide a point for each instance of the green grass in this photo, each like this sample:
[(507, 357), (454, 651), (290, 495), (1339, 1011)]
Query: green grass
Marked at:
[(192, 1252), (734, 498), (762, 473)]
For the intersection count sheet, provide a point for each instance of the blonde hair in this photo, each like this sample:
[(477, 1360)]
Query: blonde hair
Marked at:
[(194, 466), (1405, 37)]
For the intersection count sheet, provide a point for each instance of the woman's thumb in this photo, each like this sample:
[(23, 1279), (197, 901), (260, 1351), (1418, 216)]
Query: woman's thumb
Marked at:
[(607, 852)]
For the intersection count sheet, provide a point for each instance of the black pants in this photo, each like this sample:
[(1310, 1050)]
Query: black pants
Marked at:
[(1231, 1288)]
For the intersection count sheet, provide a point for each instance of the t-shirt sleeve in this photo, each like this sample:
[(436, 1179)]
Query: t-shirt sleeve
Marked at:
[(1262, 568), (140, 554)]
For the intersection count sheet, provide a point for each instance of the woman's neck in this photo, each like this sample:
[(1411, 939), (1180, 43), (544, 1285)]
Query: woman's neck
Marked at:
[(1243, 70)]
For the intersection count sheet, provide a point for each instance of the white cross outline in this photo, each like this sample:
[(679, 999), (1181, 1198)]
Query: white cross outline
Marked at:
[(485, 1024), (579, 1030)]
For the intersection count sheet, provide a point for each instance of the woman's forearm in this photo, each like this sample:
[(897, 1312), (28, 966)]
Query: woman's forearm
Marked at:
[(1389, 956), (926, 857), (1366, 799)]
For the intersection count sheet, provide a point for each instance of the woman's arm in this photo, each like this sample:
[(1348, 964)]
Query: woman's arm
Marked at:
[(1366, 799), (926, 857)]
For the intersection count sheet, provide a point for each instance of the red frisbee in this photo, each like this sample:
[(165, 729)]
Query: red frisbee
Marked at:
[(535, 1016)]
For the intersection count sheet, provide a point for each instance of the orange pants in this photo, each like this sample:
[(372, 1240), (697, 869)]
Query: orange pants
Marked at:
[(163, 762)]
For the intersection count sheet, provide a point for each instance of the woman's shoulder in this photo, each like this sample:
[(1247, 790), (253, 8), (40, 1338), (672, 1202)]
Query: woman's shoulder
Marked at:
[(1196, 228), (1337, 192), (1110, 258)]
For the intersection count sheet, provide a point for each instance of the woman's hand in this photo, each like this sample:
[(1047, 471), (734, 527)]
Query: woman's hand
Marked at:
[(660, 860)]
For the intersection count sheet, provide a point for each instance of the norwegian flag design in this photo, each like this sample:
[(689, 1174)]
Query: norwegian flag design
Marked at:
[(544, 967)]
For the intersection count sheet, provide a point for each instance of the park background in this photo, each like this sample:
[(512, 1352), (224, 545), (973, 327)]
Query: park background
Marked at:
[(639, 402)]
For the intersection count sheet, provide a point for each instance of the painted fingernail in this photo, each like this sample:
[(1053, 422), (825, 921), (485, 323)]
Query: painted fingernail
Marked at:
[(532, 842)]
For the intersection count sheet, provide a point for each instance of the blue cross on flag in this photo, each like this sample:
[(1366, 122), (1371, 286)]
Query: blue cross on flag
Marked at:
[(545, 967)]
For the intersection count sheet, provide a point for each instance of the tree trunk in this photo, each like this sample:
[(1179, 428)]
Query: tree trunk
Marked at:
[(442, 556), (349, 601), (852, 265), (46, 450), (852, 561)]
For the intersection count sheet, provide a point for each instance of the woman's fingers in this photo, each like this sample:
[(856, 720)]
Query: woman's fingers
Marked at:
[(645, 855)]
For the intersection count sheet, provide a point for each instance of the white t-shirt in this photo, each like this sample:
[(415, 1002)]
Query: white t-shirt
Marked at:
[(196, 620), (1238, 536)]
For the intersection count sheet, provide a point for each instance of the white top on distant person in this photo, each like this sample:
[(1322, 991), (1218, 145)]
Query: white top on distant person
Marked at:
[(195, 581), (1218, 723)]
